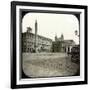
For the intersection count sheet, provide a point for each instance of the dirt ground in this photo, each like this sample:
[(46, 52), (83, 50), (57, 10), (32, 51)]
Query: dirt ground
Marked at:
[(48, 65)]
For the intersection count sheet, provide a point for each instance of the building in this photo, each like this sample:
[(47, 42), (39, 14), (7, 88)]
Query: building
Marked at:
[(32, 42), (35, 43), (61, 45)]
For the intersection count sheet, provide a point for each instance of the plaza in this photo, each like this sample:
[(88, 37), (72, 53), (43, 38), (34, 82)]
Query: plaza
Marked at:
[(48, 65)]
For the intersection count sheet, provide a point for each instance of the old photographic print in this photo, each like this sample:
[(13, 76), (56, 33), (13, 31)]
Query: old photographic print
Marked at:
[(50, 45)]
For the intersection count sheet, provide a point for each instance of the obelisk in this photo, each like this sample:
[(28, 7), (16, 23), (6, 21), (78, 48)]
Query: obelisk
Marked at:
[(36, 36)]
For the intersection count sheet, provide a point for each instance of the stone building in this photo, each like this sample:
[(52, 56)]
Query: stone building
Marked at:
[(35, 43), (61, 45)]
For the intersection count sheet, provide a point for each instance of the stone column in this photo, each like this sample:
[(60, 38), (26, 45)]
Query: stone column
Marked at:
[(36, 36)]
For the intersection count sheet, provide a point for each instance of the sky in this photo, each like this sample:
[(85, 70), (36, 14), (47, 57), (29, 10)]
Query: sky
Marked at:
[(50, 25)]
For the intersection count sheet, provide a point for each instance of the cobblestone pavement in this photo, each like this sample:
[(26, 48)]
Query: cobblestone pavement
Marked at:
[(48, 65)]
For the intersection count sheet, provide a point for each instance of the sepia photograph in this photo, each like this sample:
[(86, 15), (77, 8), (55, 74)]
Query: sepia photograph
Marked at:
[(48, 44)]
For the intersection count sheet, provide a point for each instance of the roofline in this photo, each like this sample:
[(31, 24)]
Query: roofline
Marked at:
[(38, 35)]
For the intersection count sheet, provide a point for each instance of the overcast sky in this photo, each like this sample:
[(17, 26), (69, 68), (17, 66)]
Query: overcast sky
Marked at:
[(50, 25)]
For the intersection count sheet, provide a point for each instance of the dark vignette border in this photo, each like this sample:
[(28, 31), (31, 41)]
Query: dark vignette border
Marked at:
[(22, 13), (13, 44)]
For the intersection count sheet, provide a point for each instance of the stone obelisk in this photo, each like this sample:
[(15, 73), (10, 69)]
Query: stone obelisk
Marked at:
[(36, 36)]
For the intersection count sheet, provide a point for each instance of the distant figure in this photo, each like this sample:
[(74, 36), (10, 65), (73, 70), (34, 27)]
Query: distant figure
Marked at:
[(68, 51)]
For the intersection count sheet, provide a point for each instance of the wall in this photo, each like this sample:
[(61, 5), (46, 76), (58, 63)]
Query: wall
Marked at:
[(5, 45)]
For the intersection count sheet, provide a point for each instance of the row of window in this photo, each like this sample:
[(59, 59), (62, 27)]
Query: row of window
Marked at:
[(32, 37), (39, 43)]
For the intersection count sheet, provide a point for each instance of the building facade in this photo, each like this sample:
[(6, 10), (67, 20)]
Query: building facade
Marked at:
[(61, 45), (35, 43), (32, 42)]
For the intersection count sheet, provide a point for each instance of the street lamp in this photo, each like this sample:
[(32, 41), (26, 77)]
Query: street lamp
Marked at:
[(77, 34)]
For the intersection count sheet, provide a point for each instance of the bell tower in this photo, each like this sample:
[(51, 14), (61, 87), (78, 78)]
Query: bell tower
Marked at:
[(55, 37), (62, 37)]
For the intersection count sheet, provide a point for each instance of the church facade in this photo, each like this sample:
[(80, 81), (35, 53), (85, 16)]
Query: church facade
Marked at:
[(61, 45)]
